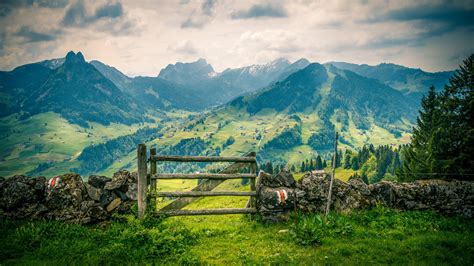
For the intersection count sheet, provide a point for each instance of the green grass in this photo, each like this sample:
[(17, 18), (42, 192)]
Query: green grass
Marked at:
[(378, 236), (48, 137)]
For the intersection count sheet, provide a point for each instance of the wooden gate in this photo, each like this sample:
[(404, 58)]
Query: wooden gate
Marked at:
[(148, 182)]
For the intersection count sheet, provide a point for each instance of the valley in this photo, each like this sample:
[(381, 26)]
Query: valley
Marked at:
[(287, 112)]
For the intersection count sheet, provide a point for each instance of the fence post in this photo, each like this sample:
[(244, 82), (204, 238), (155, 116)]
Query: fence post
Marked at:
[(252, 203), (152, 170), (142, 180), (328, 204)]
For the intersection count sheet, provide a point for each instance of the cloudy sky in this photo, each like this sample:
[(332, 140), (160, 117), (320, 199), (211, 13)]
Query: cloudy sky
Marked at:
[(140, 37)]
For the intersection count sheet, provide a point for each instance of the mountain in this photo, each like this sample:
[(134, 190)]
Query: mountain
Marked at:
[(412, 81), (154, 93), (326, 90), (183, 73), (17, 85), (222, 87), (76, 90), (118, 78)]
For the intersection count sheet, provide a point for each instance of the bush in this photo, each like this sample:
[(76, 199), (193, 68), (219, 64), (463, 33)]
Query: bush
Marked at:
[(312, 228)]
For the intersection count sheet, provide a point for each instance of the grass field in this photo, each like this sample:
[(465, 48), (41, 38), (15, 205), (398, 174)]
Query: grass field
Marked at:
[(47, 138), (379, 236)]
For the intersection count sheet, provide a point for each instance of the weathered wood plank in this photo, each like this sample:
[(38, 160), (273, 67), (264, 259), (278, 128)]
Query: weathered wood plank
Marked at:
[(207, 212), (172, 158), (142, 180), (253, 200), (152, 172), (203, 176), (205, 193), (207, 185)]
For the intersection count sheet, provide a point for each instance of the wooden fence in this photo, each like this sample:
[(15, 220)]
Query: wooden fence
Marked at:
[(148, 183)]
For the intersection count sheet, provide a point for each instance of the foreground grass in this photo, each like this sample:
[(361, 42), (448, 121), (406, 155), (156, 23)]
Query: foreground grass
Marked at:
[(377, 236)]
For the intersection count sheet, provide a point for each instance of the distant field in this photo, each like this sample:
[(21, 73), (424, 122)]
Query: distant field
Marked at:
[(47, 138)]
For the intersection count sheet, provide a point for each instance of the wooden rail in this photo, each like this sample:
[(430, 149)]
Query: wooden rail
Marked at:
[(205, 193), (207, 212), (148, 181), (172, 158), (203, 176)]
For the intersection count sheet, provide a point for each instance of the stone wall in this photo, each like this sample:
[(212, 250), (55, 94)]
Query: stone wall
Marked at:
[(310, 195), (67, 197)]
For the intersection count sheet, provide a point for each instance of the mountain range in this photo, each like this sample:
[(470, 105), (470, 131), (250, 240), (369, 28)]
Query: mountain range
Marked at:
[(280, 108)]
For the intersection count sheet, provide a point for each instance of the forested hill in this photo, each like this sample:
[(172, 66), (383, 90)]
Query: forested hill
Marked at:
[(333, 93), (410, 81)]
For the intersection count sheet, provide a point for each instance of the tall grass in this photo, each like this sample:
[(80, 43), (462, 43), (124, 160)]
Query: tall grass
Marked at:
[(125, 240)]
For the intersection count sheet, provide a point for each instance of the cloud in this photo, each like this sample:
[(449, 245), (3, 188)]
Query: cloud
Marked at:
[(109, 11), (455, 16), (185, 47), (193, 22), (261, 11), (7, 6), (77, 15), (200, 17), (31, 35), (208, 6)]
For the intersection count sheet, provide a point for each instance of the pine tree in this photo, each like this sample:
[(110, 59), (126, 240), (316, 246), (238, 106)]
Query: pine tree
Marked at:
[(311, 165), (347, 159), (418, 155), (319, 163), (325, 164), (355, 163), (443, 139), (456, 135), (303, 167)]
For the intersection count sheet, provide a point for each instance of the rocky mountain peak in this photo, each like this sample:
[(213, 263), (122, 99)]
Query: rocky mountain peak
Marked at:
[(72, 58)]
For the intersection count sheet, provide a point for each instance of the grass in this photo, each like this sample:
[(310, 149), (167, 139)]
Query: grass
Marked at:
[(48, 137), (378, 236)]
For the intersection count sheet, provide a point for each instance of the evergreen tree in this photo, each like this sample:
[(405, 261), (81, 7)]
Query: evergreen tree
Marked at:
[(303, 167), (443, 139), (311, 165), (455, 137), (319, 163), (269, 168), (325, 164), (347, 159), (418, 154), (355, 163)]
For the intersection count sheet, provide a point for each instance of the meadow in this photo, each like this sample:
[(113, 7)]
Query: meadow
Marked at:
[(378, 236)]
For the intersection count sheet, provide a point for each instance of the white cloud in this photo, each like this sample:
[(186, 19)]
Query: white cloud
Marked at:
[(144, 36)]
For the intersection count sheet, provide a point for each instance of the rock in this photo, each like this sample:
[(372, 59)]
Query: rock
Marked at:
[(276, 198), (19, 191), (119, 181), (114, 204), (98, 181), (67, 198), (275, 195), (68, 191), (282, 179), (132, 191), (106, 197), (93, 192)]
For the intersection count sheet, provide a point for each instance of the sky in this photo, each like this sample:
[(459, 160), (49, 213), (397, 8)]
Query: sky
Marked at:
[(140, 37)]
